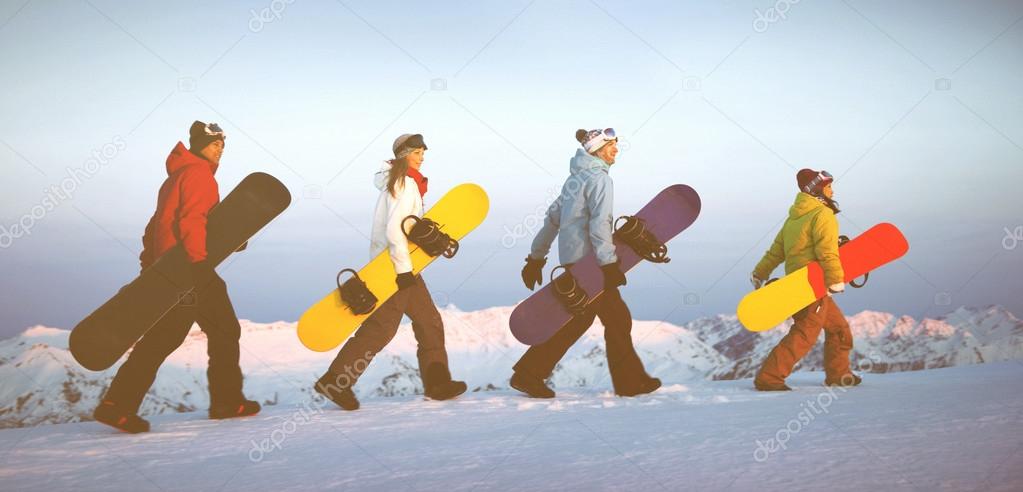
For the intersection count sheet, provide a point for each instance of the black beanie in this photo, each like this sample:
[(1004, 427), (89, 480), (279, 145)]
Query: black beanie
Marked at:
[(200, 135), (812, 182)]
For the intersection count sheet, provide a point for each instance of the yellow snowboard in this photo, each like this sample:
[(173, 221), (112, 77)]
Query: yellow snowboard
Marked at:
[(329, 322)]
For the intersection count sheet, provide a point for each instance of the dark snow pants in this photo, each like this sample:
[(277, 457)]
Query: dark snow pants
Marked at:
[(211, 308), (381, 327), (806, 328), (626, 369)]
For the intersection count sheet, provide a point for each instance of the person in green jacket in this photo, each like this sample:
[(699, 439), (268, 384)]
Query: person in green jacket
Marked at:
[(809, 234)]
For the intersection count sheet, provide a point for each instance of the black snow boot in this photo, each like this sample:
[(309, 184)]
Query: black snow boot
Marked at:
[(648, 385), (343, 397), (760, 386), (109, 413), (532, 386), (244, 408), (847, 380), (438, 385)]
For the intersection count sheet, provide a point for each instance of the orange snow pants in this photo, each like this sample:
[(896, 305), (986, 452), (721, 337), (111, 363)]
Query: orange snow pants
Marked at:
[(806, 328)]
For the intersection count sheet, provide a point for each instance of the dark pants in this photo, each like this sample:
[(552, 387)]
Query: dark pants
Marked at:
[(213, 312), (806, 328), (381, 326), (626, 369)]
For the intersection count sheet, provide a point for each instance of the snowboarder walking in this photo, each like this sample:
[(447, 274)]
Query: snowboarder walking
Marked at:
[(581, 218), (402, 188), (185, 198), (809, 234)]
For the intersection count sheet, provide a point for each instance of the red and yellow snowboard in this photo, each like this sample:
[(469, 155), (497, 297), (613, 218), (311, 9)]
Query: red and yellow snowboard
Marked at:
[(771, 304), (329, 322)]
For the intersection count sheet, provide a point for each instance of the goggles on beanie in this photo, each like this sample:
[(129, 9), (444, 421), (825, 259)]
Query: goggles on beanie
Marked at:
[(214, 130), (595, 139), (817, 183), (609, 134), (202, 134), (405, 144)]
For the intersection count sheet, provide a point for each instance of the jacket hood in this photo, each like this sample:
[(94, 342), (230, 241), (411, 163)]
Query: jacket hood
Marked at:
[(584, 162), (804, 204), (380, 178), (181, 157)]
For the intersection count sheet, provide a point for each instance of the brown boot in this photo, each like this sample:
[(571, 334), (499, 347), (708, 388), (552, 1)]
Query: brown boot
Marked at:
[(343, 397), (762, 386), (847, 380)]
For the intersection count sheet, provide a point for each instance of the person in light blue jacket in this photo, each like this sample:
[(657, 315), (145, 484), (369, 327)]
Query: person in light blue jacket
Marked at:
[(582, 220)]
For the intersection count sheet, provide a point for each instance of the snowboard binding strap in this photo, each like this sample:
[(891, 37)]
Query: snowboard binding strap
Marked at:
[(568, 292), (866, 276), (634, 233), (355, 294), (426, 234)]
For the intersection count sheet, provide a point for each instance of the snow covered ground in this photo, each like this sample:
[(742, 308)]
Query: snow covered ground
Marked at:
[(40, 382), (941, 429)]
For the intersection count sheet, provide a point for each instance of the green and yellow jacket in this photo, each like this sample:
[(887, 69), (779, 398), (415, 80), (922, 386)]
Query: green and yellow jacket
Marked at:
[(809, 234)]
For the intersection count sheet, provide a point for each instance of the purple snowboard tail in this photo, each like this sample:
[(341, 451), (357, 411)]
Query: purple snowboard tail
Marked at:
[(541, 315)]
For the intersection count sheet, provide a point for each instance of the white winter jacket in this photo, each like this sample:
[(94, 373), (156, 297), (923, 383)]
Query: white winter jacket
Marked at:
[(390, 210)]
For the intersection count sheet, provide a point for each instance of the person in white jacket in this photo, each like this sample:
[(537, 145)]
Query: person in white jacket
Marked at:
[(402, 188)]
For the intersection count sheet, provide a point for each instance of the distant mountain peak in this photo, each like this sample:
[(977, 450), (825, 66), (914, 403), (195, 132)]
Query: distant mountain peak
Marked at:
[(43, 383)]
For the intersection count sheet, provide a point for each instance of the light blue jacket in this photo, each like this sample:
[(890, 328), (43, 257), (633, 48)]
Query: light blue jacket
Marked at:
[(581, 216)]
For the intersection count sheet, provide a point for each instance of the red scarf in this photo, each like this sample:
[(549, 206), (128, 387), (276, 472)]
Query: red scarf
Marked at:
[(421, 180)]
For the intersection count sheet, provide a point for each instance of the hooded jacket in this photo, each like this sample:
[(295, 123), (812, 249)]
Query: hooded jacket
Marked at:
[(387, 218), (185, 198), (581, 215), (810, 233)]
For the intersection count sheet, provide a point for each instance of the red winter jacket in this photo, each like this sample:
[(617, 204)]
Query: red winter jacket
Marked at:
[(185, 198)]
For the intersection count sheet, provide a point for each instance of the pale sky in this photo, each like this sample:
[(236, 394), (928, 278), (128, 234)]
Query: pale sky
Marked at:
[(914, 106)]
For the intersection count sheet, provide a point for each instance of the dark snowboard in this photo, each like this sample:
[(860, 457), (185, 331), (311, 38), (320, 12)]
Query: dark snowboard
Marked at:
[(541, 315), (106, 334)]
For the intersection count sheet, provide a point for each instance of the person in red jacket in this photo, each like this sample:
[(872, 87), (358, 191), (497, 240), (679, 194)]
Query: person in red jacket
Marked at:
[(185, 198)]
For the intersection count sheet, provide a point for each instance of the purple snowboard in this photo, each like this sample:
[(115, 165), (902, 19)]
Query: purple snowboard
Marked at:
[(541, 315)]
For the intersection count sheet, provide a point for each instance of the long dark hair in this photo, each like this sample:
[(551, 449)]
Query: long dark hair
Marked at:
[(398, 171)]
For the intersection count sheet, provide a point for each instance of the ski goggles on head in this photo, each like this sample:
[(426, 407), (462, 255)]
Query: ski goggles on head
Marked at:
[(819, 181), (405, 147), (607, 133), (213, 129)]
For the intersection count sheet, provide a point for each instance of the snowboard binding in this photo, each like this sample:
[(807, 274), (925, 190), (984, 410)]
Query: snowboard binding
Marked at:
[(634, 233), (568, 292), (426, 234), (866, 276), (355, 294)]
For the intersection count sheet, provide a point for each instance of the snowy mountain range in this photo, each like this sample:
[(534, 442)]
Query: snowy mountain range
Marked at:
[(42, 383)]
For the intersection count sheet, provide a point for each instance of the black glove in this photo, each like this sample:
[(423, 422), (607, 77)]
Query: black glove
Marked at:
[(532, 273), (202, 274), (405, 280), (613, 276)]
